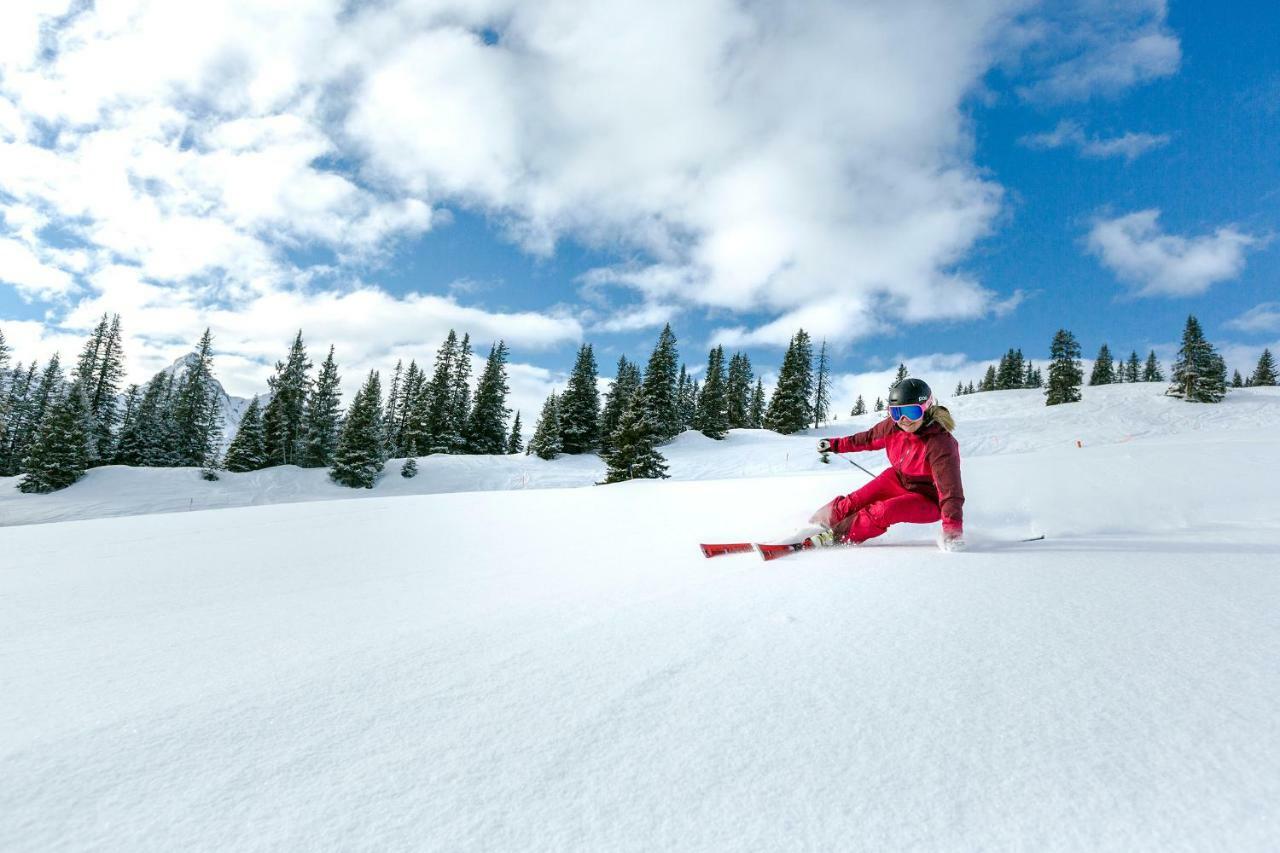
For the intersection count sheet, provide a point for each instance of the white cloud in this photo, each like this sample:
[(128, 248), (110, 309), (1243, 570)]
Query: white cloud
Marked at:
[(1128, 145), (1159, 264), (941, 370), (1260, 318), (31, 276)]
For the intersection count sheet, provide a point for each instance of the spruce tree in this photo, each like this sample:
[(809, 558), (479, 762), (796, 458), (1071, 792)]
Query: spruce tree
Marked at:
[(1237, 381), (969, 389), (1152, 372), (59, 454), (1065, 374), (660, 385), (756, 412), (626, 381), (284, 420), (1199, 374), (391, 414), (409, 469), (248, 450), (1133, 367), (686, 400), (438, 399), (859, 407), (197, 419), (1103, 368), (822, 388), (515, 444), (28, 409), (545, 443), (361, 449), (901, 374), (322, 416), (879, 405), (959, 392), (636, 454), (990, 381), (739, 391), (580, 406), (99, 372), (1265, 372), (460, 398), (140, 442), (487, 423), (17, 408), (413, 429), (790, 407), (5, 383), (713, 402)]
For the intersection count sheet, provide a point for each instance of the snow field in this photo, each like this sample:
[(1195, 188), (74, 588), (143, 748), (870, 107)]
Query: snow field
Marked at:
[(560, 669)]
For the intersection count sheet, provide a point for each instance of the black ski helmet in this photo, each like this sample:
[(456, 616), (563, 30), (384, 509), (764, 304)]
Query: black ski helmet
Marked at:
[(909, 392)]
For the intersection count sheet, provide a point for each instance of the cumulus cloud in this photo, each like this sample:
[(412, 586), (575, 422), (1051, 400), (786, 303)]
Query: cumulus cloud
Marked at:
[(1158, 264), (1260, 318), (1128, 145)]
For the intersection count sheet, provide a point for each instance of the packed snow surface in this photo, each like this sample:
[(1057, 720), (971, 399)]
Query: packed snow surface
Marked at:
[(537, 668)]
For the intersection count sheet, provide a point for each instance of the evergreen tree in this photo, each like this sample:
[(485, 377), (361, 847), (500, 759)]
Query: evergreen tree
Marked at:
[(660, 385), (990, 381), (460, 398), (1133, 367), (1199, 374), (413, 428), (822, 388), (686, 400), (756, 412), (132, 397), (487, 424), (901, 374), (515, 444), (879, 405), (248, 450), (1065, 374), (5, 383), (438, 399), (545, 443), (322, 416), (284, 420), (625, 383), (1237, 381), (1152, 372), (1265, 372), (790, 407), (391, 414), (1103, 369), (60, 452), (580, 406), (28, 409), (1011, 371), (144, 439), (636, 454), (695, 392), (99, 372), (969, 389), (959, 392), (739, 391), (859, 407), (409, 469), (713, 403), (361, 446), (18, 403), (197, 421)]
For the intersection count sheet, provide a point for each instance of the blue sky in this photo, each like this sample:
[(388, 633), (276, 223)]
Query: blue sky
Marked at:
[(933, 183)]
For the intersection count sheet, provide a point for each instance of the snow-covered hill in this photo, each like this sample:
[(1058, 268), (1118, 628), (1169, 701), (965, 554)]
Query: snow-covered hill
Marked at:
[(543, 668)]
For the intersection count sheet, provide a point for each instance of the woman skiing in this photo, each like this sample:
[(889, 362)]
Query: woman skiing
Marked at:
[(921, 485)]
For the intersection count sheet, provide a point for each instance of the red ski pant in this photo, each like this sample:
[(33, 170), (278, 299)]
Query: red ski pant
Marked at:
[(868, 512)]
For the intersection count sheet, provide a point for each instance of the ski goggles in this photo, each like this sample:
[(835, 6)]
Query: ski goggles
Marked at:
[(914, 412)]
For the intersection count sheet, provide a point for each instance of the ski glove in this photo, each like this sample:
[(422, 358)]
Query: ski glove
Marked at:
[(826, 445), (952, 539)]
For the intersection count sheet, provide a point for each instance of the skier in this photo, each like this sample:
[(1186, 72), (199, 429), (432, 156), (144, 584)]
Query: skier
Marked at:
[(921, 485)]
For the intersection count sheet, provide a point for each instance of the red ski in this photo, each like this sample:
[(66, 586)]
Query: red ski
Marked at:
[(719, 550), (773, 552)]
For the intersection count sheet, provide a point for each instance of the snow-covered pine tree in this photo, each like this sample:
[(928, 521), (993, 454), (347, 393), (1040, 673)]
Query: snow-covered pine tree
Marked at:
[(686, 403), (1199, 374), (739, 391), (487, 422), (5, 384), (59, 454), (515, 444), (822, 388), (969, 389), (284, 419), (579, 408), (901, 374), (660, 385), (391, 413), (362, 443), (1010, 372), (17, 407), (437, 396), (248, 450), (1065, 374), (413, 435), (1265, 372), (636, 454), (39, 395), (99, 372), (859, 407), (991, 380), (129, 416), (1103, 369), (409, 469), (879, 405), (322, 416), (713, 403), (141, 441), (1237, 381), (1152, 372), (755, 415), (545, 443), (196, 418), (959, 392), (1133, 367), (790, 408), (695, 391), (460, 397), (625, 382)]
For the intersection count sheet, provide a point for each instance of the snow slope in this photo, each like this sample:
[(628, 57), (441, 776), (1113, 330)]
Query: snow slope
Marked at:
[(560, 669)]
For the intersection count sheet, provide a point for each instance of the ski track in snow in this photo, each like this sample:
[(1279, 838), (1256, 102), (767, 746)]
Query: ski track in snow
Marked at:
[(560, 669)]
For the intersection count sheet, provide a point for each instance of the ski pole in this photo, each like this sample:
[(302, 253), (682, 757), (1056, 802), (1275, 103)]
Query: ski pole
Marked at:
[(850, 461)]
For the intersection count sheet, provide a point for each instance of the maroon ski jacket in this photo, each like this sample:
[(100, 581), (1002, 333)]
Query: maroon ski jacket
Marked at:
[(927, 462)]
